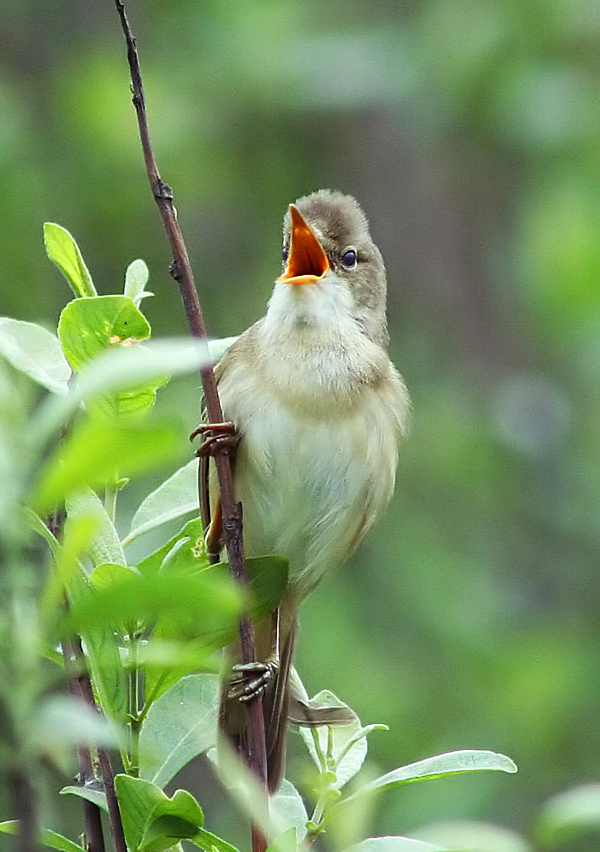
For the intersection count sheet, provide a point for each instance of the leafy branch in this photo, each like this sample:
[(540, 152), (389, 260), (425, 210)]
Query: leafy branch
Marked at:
[(232, 511)]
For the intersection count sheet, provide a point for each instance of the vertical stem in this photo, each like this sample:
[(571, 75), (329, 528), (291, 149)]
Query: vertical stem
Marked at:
[(134, 705), (108, 777), (231, 509), (92, 817), (26, 807)]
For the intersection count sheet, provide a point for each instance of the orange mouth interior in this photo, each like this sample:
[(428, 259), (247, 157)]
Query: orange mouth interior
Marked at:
[(307, 261)]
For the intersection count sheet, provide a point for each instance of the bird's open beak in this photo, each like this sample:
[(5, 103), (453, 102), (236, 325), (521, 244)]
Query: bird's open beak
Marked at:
[(307, 262)]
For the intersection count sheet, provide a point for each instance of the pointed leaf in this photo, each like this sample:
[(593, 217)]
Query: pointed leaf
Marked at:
[(46, 837), (62, 250), (36, 352), (176, 496), (218, 348), (190, 530), (347, 743), (451, 763), (97, 453), (468, 834), (180, 725), (205, 606), (63, 722), (137, 799), (395, 844), (88, 327), (288, 810), (136, 278), (210, 842), (106, 546), (177, 818), (152, 821), (570, 813), (121, 369), (96, 795)]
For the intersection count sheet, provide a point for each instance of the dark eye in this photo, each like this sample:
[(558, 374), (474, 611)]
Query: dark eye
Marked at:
[(349, 259)]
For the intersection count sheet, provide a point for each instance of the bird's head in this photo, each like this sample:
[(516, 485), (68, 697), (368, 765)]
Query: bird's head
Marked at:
[(331, 266)]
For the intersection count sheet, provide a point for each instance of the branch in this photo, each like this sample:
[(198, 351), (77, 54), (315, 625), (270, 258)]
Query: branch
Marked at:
[(81, 685), (232, 511), (92, 818)]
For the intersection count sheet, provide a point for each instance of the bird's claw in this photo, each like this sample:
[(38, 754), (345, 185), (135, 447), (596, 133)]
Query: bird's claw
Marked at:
[(251, 680), (221, 438)]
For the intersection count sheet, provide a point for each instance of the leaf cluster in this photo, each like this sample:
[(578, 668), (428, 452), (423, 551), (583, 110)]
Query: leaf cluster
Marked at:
[(149, 628)]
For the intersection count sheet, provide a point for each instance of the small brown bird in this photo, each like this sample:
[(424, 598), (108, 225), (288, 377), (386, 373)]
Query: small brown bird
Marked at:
[(319, 410)]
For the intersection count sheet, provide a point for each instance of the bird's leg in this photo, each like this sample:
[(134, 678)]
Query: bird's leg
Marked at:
[(251, 680), (221, 438), (214, 536)]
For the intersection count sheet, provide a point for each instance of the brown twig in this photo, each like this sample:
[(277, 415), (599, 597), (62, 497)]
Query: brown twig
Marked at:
[(232, 511), (91, 812), (82, 686), (73, 658)]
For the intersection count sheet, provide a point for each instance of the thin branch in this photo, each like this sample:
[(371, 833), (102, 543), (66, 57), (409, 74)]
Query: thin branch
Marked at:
[(232, 511), (82, 686), (26, 810), (92, 817)]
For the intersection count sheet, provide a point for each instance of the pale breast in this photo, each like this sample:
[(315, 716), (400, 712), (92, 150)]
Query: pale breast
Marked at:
[(312, 484)]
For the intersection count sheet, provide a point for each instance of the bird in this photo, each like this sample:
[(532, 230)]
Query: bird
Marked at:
[(319, 411)]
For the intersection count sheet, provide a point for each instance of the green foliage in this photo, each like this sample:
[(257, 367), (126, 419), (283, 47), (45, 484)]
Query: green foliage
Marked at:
[(470, 133), (62, 250), (147, 628)]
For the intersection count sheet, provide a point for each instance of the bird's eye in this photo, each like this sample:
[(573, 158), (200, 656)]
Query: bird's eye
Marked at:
[(349, 258)]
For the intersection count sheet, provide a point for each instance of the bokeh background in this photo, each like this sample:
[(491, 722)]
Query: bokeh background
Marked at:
[(470, 133)]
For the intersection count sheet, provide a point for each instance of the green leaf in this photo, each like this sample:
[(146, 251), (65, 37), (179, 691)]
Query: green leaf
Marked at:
[(218, 348), (62, 250), (109, 575), (288, 810), (106, 546), (63, 722), (97, 452), (137, 799), (100, 646), (205, 606), (210, 842), (177, 818), (92, 794), (191, 530), (451, 763), (347, 743), (176, 496), (569, 814), (108, 676), (152, 821), (395, 844), (136, 278), (46, 837), (166, 661), (180, 725), (35, 352), (88, 327), (285, 842), (471, 835), (120, 369)]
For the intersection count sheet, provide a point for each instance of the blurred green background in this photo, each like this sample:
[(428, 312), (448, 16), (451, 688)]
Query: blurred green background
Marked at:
[(469, 131)]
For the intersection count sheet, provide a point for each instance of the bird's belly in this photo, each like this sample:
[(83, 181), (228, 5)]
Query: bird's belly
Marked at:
[(311, 488)]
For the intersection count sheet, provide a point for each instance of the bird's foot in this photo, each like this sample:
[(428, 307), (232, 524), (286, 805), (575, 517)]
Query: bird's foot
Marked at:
[(251, 680), (220, 438)]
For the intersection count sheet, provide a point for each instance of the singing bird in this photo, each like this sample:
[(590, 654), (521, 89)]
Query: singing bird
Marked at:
[(319, 410)]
